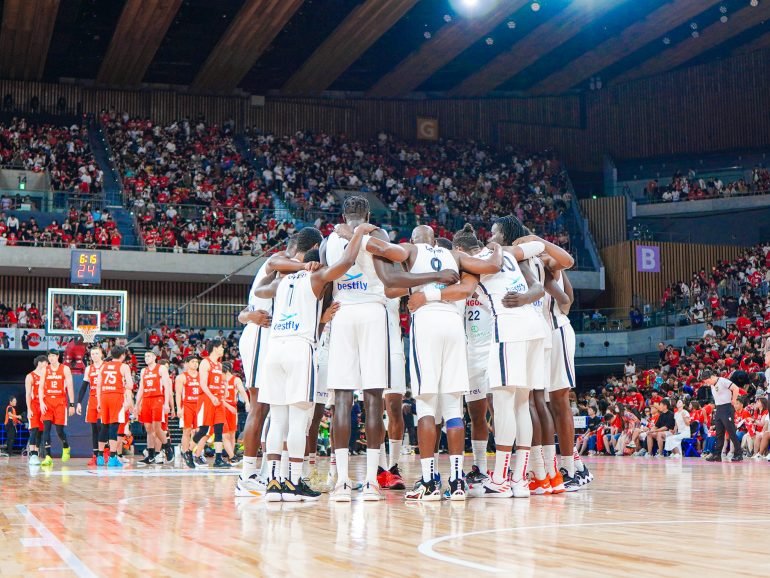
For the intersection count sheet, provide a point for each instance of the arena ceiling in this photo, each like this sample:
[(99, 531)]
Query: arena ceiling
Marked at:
[(382, 48)]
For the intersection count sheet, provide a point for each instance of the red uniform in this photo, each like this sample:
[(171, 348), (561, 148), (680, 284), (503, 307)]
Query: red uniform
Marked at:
[(152, 397), (35, 420), (54, 396), (113, 393), (209, 414), (231, 397), (190, 396), (91, 375)]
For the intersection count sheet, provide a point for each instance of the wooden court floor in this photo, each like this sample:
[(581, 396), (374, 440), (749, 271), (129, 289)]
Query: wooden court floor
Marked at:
[(640, 517)]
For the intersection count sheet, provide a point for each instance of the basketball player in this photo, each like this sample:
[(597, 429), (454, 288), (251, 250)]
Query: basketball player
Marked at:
[(152, 405), (115, 401), (168, 386), (92, 411), (516, 360), (358, 344), (187, 392), (290, 363), (211, 412), (438, 364), (32, 388), (54, 390), (233, 387)]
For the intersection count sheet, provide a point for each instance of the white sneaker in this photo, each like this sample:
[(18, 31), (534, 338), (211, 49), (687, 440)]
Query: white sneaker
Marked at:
[(675, 456), (371, 492), (341, 492), (159, 459), (253, 486), (34, 460), (768, 457), (520, 488)]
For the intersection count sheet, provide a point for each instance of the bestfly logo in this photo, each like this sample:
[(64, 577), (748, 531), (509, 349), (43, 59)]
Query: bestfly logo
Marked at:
[(349, 282), (286, 323)]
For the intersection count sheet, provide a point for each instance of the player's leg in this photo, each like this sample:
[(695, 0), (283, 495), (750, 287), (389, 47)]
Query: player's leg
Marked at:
[(252, 432), (45, 447), (113, 441), (426, 489), (390, 477), (219, 426), (32, 446), (279, 425), (94, 443), (452, 410), (536, 465), (343, 402), (375, 434), (295, 488), (314, 478)]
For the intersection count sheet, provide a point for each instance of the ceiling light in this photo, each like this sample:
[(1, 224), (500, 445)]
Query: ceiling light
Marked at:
[(723, 19), (447, 18), (511, 24), (723, 9), (666, 40), (694, 25), (695, 34), (490, 41), (535, 6), (470, 3), (427, 35), (754, 3)]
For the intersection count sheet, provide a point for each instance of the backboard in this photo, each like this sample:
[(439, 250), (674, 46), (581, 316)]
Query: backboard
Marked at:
[(69, 309)]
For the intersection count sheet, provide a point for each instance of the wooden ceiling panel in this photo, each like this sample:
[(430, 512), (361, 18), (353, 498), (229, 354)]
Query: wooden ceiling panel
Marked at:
[(445, 46), (142, 26), (255, 27), (657, 23), (757, 44), (25, 37)]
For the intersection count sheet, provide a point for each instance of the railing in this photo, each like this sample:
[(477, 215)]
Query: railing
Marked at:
[(196, 316), (55, 201)]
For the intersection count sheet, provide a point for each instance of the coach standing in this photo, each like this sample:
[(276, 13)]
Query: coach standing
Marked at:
[(725, 394)]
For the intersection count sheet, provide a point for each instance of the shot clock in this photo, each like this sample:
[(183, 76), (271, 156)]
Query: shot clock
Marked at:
[(85, 267)]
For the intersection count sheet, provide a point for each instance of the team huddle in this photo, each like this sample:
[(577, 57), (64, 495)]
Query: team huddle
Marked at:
[(489, 327)]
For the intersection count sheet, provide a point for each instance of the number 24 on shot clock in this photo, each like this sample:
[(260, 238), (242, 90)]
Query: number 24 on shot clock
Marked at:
[(85, 267)]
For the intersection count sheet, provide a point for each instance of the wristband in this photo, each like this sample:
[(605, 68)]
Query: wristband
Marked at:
[(532, 248), (72, 405), (432, 293)]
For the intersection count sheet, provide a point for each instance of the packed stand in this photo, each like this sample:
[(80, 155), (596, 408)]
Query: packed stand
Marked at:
[(692, 187), (25, 316), (85, 228), (189, 187)]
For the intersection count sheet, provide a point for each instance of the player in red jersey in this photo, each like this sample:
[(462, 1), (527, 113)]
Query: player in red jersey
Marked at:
[(187, 391), (54, 390), (92, 411), (211, 410), (233, 387), (152, 406), (32, 387), (113, 394)]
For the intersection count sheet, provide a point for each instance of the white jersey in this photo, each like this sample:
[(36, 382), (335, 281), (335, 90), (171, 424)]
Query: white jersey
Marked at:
[(257, 303), (434, 258), (394, 322), (538, 270), (516, 323), (360, 284), (556, 318), (478, 315), (297, 310)]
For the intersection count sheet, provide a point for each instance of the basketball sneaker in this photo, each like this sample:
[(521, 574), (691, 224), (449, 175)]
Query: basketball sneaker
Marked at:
[(169, 453), (34, 460), (65, 454), (493, 489), (114, 462), (371, 492), (92, 462), (737, 458), (540, 487), (289, 492), (715, 457), (520, 488), (220, 463), (586, 474), (273, 491), (141, 463), (201, 462), (457, 490), (424, 491), (475, 476), (160, 459), (341, 492), (396, 481), (187, 457), (48, 461), (253, 486), (570, 484), (557, 484), (306, 493), (383, 477)]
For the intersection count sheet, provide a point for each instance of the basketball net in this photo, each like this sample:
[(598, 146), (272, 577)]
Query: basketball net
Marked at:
[(88, 332)]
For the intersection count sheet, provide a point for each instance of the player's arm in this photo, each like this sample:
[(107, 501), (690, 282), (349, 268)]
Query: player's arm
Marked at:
[(282, 264), (552, 288), (165, 381), (267, 288), (260, 317), (393, 276), (477, 266), (321, 277), (242, 393), (379, 245), (457, 292), (40, 395), (180, 382), (28, 393), (70, 390), (328, 314), (83, 388), (535, 291), (568, 290), (128, 384), (99, 375), (140, 393), (524, 250), (563, 259)]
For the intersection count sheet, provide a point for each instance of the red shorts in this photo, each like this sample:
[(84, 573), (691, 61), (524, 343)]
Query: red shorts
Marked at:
[(35, 419), (56, 410), (92, 414), (152, 410), (189, 415), (112, 409), (231, 422), (208, 414)]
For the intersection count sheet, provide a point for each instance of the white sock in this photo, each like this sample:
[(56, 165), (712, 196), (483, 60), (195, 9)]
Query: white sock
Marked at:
[(536, 463), (502, 461), (395, 451), (568, 463), (273, 469), (520, 465), (549, 457), (372, 461), (428, 469), (311, 458), (455, 467), (480, 455), (579, 465), (248, 467), (383, 462), (295, 471), (435, 458), (343, 457), (305, 467), (284, 464), (264, 467)]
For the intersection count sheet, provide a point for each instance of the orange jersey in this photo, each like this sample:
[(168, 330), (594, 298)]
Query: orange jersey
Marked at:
[(53, 386), (151, 382), (231, 391), (216, 379), (192, 388), (35, 385), (91, 375), (112, 379)]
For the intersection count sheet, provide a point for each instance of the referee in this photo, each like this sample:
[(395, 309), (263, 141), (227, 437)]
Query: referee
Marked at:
[(725, 394)]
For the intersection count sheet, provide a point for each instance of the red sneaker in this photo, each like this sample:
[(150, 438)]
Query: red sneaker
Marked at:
[(92, 462), (396, 481), (383, 478)]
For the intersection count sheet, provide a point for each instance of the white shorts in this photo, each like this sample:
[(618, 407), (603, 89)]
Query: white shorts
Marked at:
[(253, 349), (478, 371), (517, 363), (397, 371), (322, 393), (358, 348), (563, 359), (290, 367), (438, 361)]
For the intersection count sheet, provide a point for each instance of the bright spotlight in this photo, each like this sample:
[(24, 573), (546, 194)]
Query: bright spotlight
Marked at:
[(754, 3), (472, 8), (470, 3), (535, 6)]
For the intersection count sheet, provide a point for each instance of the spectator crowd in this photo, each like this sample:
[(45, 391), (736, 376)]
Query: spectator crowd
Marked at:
[(694, 187)]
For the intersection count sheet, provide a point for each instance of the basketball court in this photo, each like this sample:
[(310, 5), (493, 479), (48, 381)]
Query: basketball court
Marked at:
[(647, 515)]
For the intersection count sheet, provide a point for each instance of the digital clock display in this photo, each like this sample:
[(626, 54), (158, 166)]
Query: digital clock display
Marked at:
[(85, 268)]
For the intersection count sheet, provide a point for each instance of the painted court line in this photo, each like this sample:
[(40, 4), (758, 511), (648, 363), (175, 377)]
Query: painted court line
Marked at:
[(426, 548), (142, 473), (47, 539)]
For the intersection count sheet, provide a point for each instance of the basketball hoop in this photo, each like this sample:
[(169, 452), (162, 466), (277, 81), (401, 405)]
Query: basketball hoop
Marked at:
[(88, 332)]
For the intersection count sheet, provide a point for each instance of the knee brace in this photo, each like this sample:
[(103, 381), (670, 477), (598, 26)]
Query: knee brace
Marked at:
[(523, 417), (427, 406), (113, 431), (218, 429), (279, 427), (201, 433), (104, 433), (33, 433), (505, 416)]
